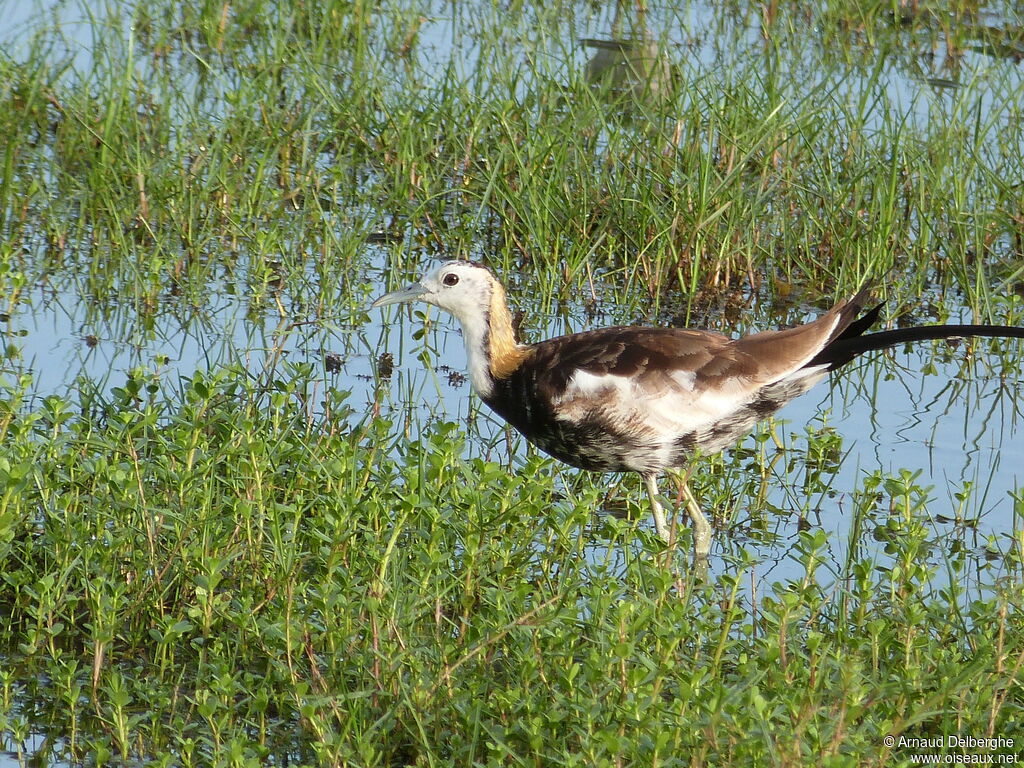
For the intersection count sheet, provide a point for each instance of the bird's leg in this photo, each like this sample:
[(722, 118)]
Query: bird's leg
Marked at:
[(701, 526), (660, 525)]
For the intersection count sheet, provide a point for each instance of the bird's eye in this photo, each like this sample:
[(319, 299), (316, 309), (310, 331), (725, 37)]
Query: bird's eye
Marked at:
[(450, 279)]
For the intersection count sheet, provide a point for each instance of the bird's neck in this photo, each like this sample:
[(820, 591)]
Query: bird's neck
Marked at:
[(491, 344)]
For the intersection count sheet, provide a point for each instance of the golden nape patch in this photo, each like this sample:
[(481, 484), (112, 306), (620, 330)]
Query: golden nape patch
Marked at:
[(506, 355)]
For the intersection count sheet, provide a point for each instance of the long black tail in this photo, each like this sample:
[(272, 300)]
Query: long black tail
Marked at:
[(851, 343)]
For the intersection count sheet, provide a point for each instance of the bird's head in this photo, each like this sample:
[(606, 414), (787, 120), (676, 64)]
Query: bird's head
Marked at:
[(461, 287), (473, 294)]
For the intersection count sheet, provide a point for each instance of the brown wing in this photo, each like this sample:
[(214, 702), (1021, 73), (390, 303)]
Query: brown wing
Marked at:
[(656, 358), (627, 352), (643, 398)]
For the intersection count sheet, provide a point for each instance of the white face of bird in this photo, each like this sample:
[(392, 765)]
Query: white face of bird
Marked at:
[(460, 287), (474, 295)]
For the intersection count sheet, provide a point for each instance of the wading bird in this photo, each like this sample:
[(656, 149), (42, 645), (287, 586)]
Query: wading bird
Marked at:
[(633, 399)]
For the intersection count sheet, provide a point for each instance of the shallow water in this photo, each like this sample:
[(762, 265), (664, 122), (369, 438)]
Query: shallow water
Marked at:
[(889, 415), (960, 424)]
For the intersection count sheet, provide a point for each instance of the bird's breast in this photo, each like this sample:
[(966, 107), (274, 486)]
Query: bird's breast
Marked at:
[(588, 437), (601, 427)]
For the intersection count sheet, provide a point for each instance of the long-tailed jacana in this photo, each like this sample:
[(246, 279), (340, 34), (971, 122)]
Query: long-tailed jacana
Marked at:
[(644, 399)]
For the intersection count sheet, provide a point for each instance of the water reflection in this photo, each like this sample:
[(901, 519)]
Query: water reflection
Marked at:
[(630, 64), (959, 425), (980, 30), (628, 67)]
